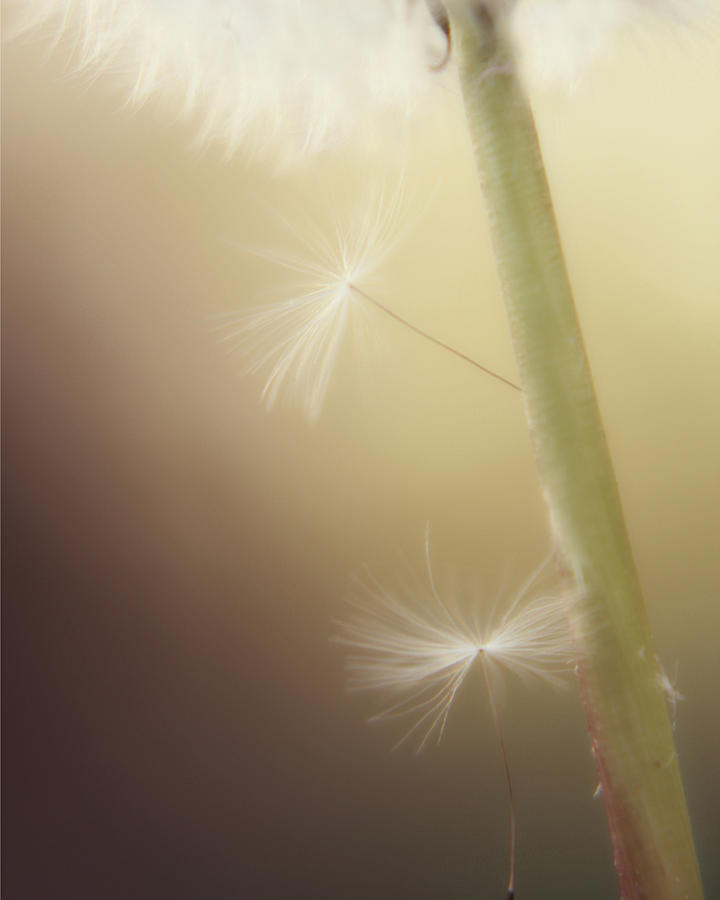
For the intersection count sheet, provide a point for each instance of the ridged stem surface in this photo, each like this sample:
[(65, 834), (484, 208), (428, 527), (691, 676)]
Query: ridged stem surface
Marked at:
[(618, 672)]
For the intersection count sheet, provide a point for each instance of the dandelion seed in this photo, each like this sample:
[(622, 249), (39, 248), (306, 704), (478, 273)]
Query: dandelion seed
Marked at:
[(412, 645), (296, 342)]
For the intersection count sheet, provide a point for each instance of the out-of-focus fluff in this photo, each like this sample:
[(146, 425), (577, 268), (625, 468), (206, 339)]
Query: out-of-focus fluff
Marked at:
[(310, 72)]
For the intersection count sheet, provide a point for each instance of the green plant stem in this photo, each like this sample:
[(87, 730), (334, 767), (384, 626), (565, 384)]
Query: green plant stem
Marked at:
[(617, 667)]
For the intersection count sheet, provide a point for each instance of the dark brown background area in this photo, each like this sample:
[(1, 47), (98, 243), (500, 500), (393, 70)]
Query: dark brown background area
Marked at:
[(174, 558)]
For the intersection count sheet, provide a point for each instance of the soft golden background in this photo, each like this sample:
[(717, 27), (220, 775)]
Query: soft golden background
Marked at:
[(175, 557)]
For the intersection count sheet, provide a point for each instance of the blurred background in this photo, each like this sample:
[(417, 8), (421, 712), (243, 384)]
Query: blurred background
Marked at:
[(175, 558)]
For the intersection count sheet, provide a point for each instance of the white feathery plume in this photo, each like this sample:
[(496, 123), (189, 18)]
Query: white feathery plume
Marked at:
[(296, 341), (558, 40), (312, 72), (415, 647)]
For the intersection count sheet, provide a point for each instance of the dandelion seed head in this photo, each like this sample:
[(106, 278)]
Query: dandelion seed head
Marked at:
[(413, 645), (309, 72)]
